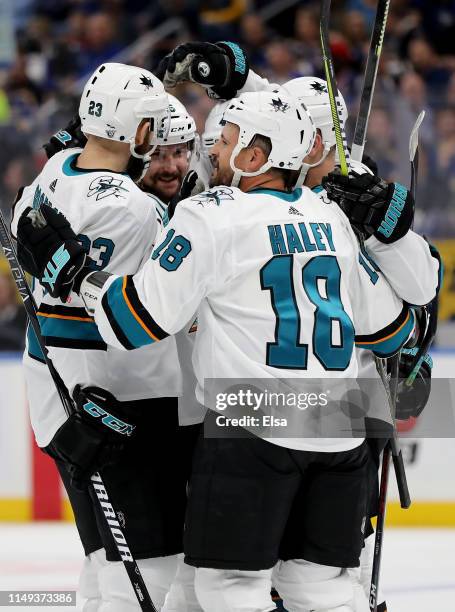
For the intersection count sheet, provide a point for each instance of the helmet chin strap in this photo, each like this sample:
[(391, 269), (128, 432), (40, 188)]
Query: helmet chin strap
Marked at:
[(305, 167), (239, 173)]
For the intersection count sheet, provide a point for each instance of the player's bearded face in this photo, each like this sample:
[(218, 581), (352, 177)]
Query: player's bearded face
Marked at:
[(168, 166), (220, 155)]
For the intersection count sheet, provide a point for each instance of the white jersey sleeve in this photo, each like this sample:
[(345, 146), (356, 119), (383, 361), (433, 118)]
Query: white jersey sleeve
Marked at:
[(163, 296), (256, 83), (382, 322), (411, 266)]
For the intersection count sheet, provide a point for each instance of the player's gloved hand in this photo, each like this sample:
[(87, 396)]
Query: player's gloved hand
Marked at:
[(70, 137), (374, 207), (191, 186), (49, 250), (222, 68), (94, 436), (412, 399)]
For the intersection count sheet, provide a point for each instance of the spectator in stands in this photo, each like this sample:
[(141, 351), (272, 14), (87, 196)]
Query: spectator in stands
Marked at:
[(102, 42), (307, 45), (12, 316), (281, 63), (220, 19), (431, 68), (254, 39), (355, 32)]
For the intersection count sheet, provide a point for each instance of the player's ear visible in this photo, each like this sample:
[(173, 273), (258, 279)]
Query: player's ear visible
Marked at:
[(317, 149), (256, 158), (143, 133)]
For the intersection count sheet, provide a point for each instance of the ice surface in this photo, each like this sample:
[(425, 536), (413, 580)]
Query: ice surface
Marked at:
[(418, 565)]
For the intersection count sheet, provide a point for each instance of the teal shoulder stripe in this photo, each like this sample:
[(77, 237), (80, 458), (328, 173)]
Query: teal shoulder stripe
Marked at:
[(391, 345), (66, 328), (125, 319), (288, 197), (317, 189), (34, 348)]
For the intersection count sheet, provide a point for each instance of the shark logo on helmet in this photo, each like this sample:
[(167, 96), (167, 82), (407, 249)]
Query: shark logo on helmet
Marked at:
[(146, 81), (319, 88), (279, 106)]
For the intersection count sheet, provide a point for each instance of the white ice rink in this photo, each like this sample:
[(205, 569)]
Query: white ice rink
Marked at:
[(418, 565)]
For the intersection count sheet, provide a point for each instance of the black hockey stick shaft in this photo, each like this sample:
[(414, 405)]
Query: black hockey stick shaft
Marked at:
[(379, 536), (369, 81), (335, 103), (130, 564)]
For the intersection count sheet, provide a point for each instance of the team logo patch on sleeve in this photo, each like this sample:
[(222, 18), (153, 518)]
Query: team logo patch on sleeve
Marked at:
[(213, 197), (105, 186)]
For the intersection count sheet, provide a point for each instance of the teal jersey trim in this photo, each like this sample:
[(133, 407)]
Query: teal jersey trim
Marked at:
[(34, 349), (392, 344), (283, 195), (123, 316), (70, 169), (317, 189), (66, 328)]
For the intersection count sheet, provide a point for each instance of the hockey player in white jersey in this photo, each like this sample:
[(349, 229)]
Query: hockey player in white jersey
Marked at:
[(248, 259), (398, 255), (120, 105)]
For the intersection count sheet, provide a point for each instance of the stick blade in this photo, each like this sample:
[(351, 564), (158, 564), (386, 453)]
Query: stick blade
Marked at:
[(414, 136)]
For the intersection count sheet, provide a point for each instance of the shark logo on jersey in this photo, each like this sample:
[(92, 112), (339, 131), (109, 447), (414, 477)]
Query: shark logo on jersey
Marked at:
[(146, 81), (319, 88), (279, 106), (110, 130), (105, 186), (213, 197)]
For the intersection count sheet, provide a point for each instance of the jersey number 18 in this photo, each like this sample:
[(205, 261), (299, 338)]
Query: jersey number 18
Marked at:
[(287, 352)]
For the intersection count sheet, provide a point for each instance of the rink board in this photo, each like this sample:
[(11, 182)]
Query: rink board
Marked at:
[(30, 488)]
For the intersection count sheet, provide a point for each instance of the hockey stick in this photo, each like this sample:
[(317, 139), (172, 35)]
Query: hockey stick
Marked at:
[(414, 153), (335, 103), (343, 154), (130, 564), (369, 80)]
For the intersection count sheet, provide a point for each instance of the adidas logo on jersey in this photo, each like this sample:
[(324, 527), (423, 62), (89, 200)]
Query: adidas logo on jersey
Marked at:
[(53, 185), (294, 211)]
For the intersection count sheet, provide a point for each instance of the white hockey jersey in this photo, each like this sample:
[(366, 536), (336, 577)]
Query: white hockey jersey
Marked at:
[(277, 283), (118, 224)]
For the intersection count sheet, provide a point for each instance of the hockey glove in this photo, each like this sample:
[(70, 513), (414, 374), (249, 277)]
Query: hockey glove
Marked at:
[(221, 68), (94, 436), (68, 138), (49, 250), (411, 400), (191, 185), (374, 207)]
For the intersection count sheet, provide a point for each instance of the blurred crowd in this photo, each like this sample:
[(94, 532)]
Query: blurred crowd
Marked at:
[(53, 47)]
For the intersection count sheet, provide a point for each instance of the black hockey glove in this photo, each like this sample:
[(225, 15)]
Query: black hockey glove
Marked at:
[(222, 68), (94, 436), (374, 207), (412, 399), (70, 137), (49, 250), (191, 185)]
